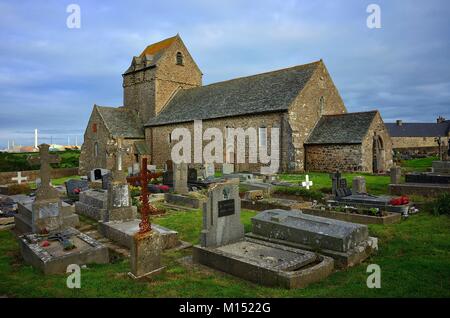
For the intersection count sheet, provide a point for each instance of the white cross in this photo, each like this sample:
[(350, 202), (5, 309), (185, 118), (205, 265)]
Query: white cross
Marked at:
[(19, 178), (307, 183)]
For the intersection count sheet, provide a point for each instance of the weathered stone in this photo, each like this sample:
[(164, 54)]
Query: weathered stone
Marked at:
[(221, 216), (441, 167), (310, 230), (53, 259), (93, 203), (227, 168), (359, 185), (254, 195), (180, 178), (146, 254), (396, 174)]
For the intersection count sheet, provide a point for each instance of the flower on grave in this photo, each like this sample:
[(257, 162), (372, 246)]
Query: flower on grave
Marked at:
[(77, 190)]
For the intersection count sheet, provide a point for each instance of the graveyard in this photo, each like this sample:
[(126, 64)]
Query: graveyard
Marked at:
[(204, 232)]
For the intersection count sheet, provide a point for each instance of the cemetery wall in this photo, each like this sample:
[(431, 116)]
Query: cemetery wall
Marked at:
[(413, 142), (306, 111), (5, 177), (334, 157)]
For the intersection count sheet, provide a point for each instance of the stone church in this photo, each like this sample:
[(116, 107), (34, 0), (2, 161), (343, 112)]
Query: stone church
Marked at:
[(163, 90)]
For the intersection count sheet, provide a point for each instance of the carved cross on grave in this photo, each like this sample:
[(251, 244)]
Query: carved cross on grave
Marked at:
[(336, 181), (45, 190), (118, 150), (19, 178), (146, 208), (307, 183)]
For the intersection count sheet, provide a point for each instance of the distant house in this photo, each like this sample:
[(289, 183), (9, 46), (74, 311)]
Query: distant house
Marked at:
[(419, 137)]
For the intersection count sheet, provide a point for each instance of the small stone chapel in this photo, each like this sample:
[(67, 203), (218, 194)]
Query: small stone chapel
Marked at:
[(163, 90)]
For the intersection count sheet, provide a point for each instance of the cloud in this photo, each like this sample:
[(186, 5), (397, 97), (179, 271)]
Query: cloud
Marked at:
[(51, 75)]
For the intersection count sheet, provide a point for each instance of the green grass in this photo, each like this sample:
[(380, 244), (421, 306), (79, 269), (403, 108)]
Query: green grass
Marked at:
[(419, 165), (18, 161), (414, 257), (375, 184)]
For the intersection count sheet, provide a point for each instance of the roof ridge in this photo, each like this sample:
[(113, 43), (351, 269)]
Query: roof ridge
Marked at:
[(258, 74), (351, 113)]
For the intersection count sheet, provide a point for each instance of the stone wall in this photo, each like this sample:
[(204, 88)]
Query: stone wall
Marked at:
[(158, 137), (5, 177), (306, 110), (330, 158), (377, 130), (147, 90), (101, 137)]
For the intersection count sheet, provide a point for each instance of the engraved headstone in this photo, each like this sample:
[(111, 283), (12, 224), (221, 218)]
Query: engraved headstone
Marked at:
[(396, 175), (359, 185), (180, 178), (221, 216)]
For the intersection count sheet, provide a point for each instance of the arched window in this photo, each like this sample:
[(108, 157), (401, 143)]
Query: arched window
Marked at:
[(321, 105), (179, 58), (96, 149)]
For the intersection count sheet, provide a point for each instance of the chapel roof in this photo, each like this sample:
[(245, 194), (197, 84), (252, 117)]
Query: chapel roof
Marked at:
[(349, 128), (121, 122), (262, 93)]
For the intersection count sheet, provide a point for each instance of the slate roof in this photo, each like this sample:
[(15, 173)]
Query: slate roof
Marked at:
[(150, 55), (350, 128), (262, 93), (121, 122), (141, 148), (418, 129)]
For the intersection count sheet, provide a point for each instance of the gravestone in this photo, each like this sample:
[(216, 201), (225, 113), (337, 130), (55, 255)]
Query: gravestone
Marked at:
[(208, 170), (146, 255), (339, 185), (348, 243), (227, 168), (46, 212), (221, 216), (192, 175), (106, 180), (180, 178), (396, 174), (119, 197), (93, 203), (359, 185), (74, 187), (223, 246), (168, 173)]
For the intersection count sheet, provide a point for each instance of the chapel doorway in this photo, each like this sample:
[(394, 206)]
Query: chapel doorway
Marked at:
[(378, 155)]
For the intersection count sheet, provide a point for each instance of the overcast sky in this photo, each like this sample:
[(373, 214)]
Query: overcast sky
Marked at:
[(50, 75)]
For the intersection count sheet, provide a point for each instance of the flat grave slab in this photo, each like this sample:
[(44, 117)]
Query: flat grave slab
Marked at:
[(122, 233), (266, 263), (348, 243), (54, 259)]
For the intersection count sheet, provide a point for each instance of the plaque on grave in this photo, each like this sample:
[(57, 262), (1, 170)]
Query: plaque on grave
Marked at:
[(97, 174), (226, 207), (192, 175)]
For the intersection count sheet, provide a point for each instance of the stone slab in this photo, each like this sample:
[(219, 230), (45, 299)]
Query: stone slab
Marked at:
[(423, 189), (146, 254), (310, 230), (54, 259), (266, 263), (183, 200), (389, 218), (122, 233)]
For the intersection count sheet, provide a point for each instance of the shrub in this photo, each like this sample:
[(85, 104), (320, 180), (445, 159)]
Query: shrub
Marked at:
[(23, 188), (441, 206), (305, 194)]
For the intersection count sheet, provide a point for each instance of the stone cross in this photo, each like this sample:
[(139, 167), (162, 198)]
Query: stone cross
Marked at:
[(19, 178), (336, 180), (118, 151), (45, 191), (307, 183)]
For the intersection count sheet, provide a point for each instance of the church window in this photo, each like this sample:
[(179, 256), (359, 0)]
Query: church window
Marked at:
[(179, 58), (96, 149), (169, 138), (322, 105), (262, 136)]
